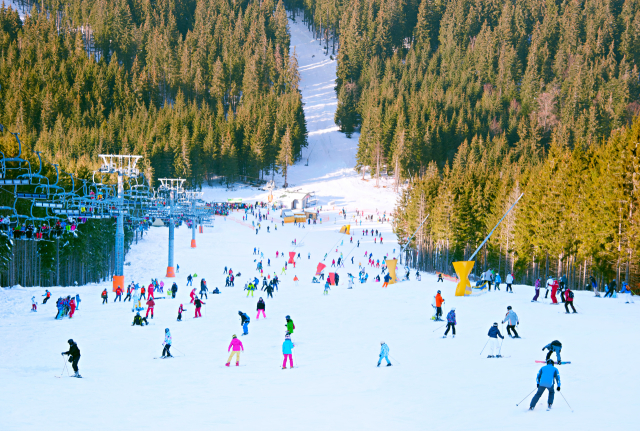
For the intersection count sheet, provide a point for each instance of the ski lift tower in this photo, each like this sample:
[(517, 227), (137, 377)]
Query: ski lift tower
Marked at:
[(123, 166), (193, 197), (172, 186)]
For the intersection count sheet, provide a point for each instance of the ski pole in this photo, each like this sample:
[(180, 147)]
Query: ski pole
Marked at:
[(439, 328), (500, 349), (64, 366), (565, 400), (525, 397), (485, 345), (180, 351), (395, 360)]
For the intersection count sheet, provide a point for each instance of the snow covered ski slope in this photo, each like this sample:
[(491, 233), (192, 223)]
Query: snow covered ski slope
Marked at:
[(434, 383)]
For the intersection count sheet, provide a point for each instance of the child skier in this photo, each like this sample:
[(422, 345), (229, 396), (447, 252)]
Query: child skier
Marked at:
[(384, 354), (327, 286), (237, 347), (545, 379), (287, 345), (493, 334), (139, 320), (74, 356), (261, 307), (180, 311), (451, 323), (511, 319), (34, 307), (167, 344), (290, 326), (554, 346), (118, 294), (198, 303)]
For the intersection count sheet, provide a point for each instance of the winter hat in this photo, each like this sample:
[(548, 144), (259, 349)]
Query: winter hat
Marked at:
[(234, 336), (287, 336), (453, 309), (509, 308), (495, 323), (71, 341), (166, 330), (549, 361), (287, 317)]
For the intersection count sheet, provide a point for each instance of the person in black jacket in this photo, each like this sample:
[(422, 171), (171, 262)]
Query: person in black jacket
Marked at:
[(261, 307), (74, 356), (269, 290), (337, 278), (244, 322), (174, 290)]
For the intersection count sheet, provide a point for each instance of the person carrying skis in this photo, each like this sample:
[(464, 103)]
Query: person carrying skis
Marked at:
[(384, 354), (290, 326), (104, 296), (261, 308), (545, 379), (74, 356), (174, 290), (568, 299), (128, 294), (203, 288), (287, 345), (167, 344), (46, 295), (554, 346), (198, 304), (180, 311), (118, 294), (439, 302), (237, 347), (451, 323), (493, 334), (150, 304), (537, 286), (509, 281), (511, 318), (244, 322), (190, 280), (139, 320)]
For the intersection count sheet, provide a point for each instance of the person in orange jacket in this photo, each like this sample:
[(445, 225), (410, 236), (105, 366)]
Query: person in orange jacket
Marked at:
[(118, 294), (439, 302), (142, 293), (150, 303)]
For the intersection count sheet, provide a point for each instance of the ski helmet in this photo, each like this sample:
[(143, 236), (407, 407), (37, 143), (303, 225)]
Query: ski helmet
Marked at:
[(549, 361), (287, 336), (71, 341), (166, 330), (234, 336), (438, 291), (287, 317), (495, 323), (509, 308), (381, 342)]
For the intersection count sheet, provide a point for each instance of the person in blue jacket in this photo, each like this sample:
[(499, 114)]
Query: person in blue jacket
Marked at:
[(287, 345), (545, 380), (77, 301), (554, 346), (244, 322), (384, 353), (451, 323), (497, 282)]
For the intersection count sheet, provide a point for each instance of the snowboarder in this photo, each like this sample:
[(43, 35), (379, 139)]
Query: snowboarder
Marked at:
[(118, 294), (104, 296), (511, 318), (198, 303), (180, 311), (150, 304), (568, 300), (237, 347), (287, 345), (46, 295), (451, 323), (547, 375), (290, 326), (554, 346), (494, 333), (439, 302), (384, 353), (244, 322), (167, 344), (261, 308), (139, 320), (74, 356)]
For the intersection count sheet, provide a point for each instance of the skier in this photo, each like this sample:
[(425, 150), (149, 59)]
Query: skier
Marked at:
[(190, 279), (287, 345), (537, 286), (568, 302), (46, 295), (497, 282), (512, 320), (554, 346), (387, 279), (327, 286), (494, 333), (174, 290), (74, 356), (290, 326), (142, 293), (192, 295), (509, 282), (150, 304), (336, 278), (34, 307), (611, 288), (77, 301), (350, 281), (439, 302), (72, 306), (384, 353), (203, 288), (128, 294), (451, 323), (440, 279), (118, 294), (198, 303), (244, 322), (180, 311), (104, 296), (547, 375), (627, 292), (167, 344), (139, 320), (261, 307), (237, 347), (269, 290)]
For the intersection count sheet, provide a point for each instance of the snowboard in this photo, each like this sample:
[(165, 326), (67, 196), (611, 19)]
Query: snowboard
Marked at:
[(554, 362)]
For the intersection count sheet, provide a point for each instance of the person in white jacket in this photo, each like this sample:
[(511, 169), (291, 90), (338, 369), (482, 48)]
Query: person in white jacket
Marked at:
[(511, 319), (509, 281), (167, 344)]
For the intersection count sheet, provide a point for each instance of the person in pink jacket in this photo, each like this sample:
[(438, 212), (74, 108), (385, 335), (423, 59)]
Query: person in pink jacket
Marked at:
[(237, 346), (192, 295)]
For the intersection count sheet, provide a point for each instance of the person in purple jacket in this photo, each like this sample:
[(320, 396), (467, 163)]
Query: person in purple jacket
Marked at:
[(451, 323)]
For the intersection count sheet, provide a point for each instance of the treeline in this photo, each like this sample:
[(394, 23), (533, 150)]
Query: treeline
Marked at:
[(578, 216), (198, 87)]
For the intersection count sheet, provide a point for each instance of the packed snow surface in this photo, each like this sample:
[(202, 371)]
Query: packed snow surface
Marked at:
[(434, 383)]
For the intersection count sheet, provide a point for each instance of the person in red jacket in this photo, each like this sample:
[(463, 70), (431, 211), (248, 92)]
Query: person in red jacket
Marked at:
[(118, 294), (150, 291), (554, 289), (142, 291), (150, 304), (104, 296), (568, 298), (72, 305)]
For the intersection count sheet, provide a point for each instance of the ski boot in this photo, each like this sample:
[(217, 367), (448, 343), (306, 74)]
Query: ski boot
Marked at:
[(530, 408), (490, 356), (444, 336), (226, 365), (549, 406), (389, 364), (77, 375), (237, 364), (378, 364), (498, 356)]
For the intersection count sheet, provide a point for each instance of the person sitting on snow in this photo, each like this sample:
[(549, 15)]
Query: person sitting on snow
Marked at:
[(138, 320)]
